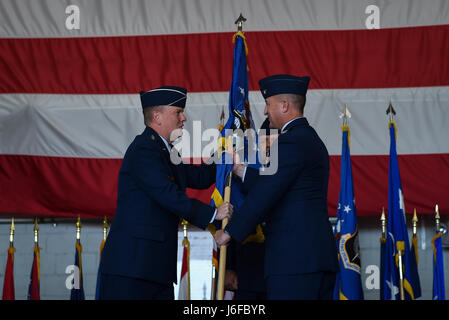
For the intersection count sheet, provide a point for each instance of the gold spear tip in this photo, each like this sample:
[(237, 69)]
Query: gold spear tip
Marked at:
[(184, 222), (437, 213), (13, 228), (382, 217), (78, 222), (105, 222), (415, 217), (36, 226)]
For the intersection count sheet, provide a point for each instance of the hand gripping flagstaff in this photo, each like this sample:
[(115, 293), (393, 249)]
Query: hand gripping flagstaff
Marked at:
[(223, 249)]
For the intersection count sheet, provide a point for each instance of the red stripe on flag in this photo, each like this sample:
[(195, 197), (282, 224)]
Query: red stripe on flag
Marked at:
[(424, 179), (52, 186), (401, 57)]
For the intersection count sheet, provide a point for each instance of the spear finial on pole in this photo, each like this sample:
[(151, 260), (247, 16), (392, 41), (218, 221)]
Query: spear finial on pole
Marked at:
[(391, 111), (415, 222), (11, 233), (105, 228), (36, 233), (78, 229), (239, 22), (437, 219), (345, 115), (383, 222)]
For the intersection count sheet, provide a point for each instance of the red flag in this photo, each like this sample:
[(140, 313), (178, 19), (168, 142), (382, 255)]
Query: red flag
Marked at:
[(184, 283), (8, 284), (34, 288)]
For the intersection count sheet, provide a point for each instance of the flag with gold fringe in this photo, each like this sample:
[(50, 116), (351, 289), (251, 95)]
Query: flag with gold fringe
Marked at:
[(416, 284), (438, 269), (77, 292), (348, 285), (397, 248), (103, 242), (34, 287), (383, 241), (239, 118), (8, 282), (184, 281)]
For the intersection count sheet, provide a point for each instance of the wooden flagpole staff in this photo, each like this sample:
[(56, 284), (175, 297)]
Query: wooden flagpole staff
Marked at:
[(227, 198), (223, 249)]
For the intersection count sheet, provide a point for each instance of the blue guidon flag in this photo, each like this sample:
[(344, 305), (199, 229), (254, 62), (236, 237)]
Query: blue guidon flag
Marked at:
[(348, 285), (438, 269), (239, 118), (397, 235)]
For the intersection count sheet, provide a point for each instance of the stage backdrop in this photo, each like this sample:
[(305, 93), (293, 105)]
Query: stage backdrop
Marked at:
[(71, 71)]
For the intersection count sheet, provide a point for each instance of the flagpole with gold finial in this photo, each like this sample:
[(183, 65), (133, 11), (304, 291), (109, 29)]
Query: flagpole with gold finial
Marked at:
[(383, 243), (415, 234), (78, 230), (105, 234), (399, 244), (186, 243), (11, 233), (227, 198), (437, 220), (36, 250), (36, 233), (383, 221), (415, 223)]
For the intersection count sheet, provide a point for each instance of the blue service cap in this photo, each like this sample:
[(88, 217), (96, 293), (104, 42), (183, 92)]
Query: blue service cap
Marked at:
[(164, 96), (283, 83)]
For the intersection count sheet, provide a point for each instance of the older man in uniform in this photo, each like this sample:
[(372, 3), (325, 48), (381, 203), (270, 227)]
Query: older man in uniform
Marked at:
[(300, 251), (140, 256)]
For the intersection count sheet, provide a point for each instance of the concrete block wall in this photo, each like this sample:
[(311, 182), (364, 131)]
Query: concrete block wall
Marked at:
[(57, 241)]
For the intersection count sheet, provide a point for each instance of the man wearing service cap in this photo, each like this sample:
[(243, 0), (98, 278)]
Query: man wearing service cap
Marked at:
[(300, 251), (140, 255)]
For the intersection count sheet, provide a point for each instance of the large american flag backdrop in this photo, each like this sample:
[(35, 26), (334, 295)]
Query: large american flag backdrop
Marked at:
[(71, 71)]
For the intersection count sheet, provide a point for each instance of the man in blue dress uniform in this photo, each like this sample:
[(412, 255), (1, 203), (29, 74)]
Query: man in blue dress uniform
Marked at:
[(140, 255), (245, 261), (300, 251)]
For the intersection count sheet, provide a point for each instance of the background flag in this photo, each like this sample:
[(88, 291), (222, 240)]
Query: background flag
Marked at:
[(103, 242), (77, 292), (8, 283), (438, 269), (383, 241), (348, 285), (184, 282), (213, 292), (416, 285), (397, 235), (34, 287)]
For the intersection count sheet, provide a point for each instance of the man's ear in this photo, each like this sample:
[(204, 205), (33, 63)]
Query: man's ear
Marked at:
[(285, 106), (157, 116)]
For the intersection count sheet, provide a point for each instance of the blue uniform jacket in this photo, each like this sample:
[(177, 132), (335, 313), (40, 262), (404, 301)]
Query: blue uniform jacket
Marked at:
[(143, 239), (293, 204)]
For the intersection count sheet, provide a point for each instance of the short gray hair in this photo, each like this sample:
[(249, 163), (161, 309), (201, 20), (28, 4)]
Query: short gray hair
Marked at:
[(148, 113), (296, 100)]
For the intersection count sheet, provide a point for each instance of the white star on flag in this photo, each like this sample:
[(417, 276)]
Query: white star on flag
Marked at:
[(347, 209)]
